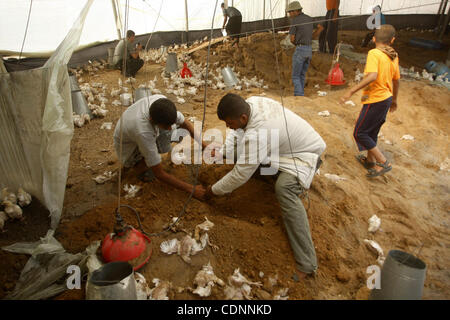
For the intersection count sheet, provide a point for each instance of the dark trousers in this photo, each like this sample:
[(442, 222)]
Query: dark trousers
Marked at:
[(329, 34), (367, 39), (233, 27), (132, 67), (368, 125)]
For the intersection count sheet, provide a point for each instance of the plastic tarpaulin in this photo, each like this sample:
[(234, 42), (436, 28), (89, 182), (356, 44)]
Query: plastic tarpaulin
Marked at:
[(36, 126), (50, 20)]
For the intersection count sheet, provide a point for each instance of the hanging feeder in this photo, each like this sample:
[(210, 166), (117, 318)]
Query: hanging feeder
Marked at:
[(336, 75), (185, 72), (126, 244)]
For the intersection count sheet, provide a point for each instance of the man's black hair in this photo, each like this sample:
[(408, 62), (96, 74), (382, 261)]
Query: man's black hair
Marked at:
[(163, 111), (130, 33), (222, 5), (232, 106)]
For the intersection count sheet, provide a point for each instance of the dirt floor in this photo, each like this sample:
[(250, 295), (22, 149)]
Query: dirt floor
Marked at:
[(412, 200)]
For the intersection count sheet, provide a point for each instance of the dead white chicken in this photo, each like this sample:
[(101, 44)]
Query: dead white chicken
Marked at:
[(116, 103), (180, 100), (142, 289), (205, 226), (106, 176), (281, 294), (185, 247), (239, 287), (12, 210), (205, 280), (131, 190), (374, 223), (23, 198), (8, 196), (161, 290), (115, 92), (3, 219), (376, 248)]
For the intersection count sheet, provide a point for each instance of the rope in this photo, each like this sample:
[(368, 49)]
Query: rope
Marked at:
[(26, 29), (302, 188)]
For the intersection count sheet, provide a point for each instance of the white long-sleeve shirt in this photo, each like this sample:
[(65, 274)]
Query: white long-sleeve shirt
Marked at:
[(266, 122)]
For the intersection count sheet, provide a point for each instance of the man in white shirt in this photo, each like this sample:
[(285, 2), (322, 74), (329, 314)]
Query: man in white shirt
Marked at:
[(144, 136), (256, 117)]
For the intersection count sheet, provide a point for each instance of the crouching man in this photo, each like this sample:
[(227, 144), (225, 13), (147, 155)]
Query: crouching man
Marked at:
[(146, 132), (295, 169)]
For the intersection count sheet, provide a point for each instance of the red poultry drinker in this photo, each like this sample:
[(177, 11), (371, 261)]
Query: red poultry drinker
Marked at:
[(185, 72), (336, 76)]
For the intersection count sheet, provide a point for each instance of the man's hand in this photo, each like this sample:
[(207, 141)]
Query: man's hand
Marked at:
[(346, 97), (393, 106), (199, 192), (209, 194)]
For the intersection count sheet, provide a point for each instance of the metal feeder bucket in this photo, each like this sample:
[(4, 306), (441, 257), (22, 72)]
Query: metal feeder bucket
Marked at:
[(79, 103), (402, 277), (163, 141), (141, 93), (229, 77), (171, 63), (113, 281), (111, 57)]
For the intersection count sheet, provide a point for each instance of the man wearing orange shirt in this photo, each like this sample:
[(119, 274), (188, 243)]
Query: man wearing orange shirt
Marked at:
[(381, 85), (330, 33)]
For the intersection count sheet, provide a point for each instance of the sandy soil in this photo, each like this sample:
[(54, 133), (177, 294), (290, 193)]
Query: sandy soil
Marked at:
[(412, 200)]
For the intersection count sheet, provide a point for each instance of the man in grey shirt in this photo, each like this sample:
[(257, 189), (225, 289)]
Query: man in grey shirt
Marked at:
[(301, 32), (142, 125), (234, 18), (133, 62)]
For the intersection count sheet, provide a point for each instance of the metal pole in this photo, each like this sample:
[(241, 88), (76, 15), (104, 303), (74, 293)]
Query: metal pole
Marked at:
[(287, 3), (445, 25), (264, 10), (117, 18), (441, 18), (187, 20)]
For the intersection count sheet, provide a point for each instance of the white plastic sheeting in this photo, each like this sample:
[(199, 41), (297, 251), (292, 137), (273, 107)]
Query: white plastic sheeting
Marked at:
[(50, 20), (36, 126)]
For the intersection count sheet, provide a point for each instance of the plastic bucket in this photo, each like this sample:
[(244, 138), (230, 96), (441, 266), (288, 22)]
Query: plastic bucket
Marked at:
[(141, 93), (402, 277), (229, 78), (171, 63), (112, 281), (79, 104)]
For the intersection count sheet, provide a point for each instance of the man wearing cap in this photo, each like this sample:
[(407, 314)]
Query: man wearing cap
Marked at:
[(330, 32), (301, 36)]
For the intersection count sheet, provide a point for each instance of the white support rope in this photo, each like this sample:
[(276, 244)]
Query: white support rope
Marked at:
[(26, 29)]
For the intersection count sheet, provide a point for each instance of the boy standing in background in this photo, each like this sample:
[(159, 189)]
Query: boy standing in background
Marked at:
[(381, 85)]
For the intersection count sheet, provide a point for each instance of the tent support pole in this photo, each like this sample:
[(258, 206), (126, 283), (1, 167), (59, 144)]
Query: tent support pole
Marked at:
[(442, 14), (116, 17), (445, 25), (187, 20), (264, 10)]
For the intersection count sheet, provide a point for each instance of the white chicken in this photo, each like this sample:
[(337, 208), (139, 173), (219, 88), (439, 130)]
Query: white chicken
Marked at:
[(12, 210), (23, 197), (3, 219), (8, 196)]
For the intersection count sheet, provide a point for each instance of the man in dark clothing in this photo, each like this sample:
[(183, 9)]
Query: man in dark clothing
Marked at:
[(133, 62), (330, 32), (234, 18), (301, 32)]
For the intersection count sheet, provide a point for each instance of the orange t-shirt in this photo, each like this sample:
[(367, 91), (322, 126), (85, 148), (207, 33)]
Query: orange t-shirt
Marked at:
[(332, 4), (387, 69)]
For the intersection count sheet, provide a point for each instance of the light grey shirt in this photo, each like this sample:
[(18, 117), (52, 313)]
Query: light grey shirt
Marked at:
[(267, 114), (139, 132)]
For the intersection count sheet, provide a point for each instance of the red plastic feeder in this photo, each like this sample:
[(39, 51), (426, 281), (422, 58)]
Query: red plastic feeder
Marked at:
[(185, 72), (129, 245), (335, 76)]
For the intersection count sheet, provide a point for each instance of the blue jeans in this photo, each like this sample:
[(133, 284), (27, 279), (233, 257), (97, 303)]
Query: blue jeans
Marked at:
[(300, 63)]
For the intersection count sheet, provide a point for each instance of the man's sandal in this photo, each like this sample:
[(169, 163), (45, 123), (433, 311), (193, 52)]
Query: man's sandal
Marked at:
[(374, 173), (365, 163)]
